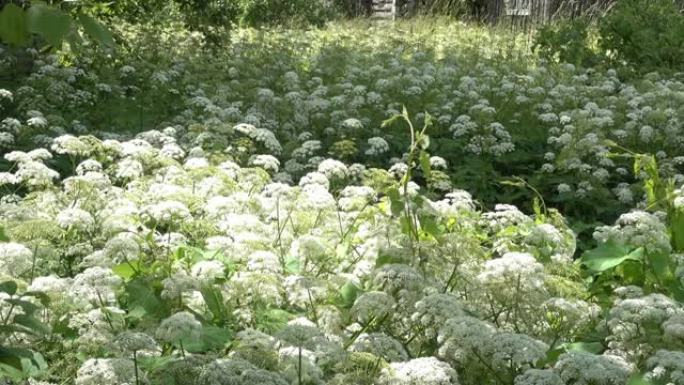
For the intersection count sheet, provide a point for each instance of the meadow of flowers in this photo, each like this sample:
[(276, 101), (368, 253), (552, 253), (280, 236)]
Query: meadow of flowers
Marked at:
[(338, 206)]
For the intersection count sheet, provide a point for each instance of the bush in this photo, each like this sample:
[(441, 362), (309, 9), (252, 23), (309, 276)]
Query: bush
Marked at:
[(645, 34), (566, 41), (283, 12)]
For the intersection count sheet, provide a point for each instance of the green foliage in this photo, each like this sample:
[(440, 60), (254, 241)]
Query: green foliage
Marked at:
[(50, 23), (283, 12), (566, 41), (645, 34)]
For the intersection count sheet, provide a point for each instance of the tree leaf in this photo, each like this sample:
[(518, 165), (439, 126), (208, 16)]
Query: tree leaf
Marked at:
[(96, 30), (13, 25), (609, 255), (49, 22)]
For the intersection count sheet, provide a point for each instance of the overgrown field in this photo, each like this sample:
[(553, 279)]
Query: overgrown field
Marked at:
[(406, 204)]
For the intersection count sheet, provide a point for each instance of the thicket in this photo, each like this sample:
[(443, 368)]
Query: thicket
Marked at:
[(638, 36)]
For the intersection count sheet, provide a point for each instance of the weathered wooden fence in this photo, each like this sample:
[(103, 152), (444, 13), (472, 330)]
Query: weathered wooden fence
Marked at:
[(490, 10)]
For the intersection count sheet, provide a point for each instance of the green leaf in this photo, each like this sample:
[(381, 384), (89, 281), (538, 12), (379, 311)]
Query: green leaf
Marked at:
[(3, 235), (388, 258), (9, 287), (589, 347), (141, 294), (292, 265), (26, 306), (349, 292), (271, 320), (211, 338), (660, 263), (96, 30), (677, 229), (31, 323), (13, 25), (425, 163), (124, 270), (430, 226), (214, 300), (638, 379), (42, 297), (608, 255), (396, 203), (49, 22)]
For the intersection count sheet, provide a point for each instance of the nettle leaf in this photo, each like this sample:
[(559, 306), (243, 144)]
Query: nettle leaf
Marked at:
[(49, 22), (96, 30), (610, 254), (13, 25)]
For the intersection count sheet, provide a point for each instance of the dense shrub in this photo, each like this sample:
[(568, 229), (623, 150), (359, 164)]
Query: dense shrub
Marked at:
[(566, 40), (283, 12), (646, 34)]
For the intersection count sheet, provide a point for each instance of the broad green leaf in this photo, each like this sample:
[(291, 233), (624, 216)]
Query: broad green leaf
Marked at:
[(425, 163), (430, 226), (660, 263), (141, 295), (3, 235), (388, 258), (13, 25), (31, 323), (214, 300), (96, 30), (396, 204), (49, 22), (292, 265), (589, 347), (638, 379), (349, 292), (26, 306), (609, 255), (211, 338), (272, 320), (9, 287), (677, 229), (124, 270)]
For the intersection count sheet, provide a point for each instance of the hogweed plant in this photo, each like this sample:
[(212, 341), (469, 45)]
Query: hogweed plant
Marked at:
[(261, 225)]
